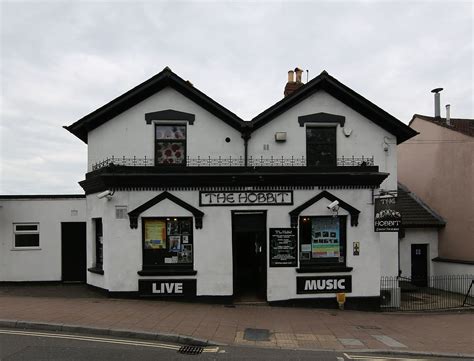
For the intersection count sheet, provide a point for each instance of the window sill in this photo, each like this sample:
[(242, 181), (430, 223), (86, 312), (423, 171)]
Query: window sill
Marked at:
[(96, 270), (26, 249), (324, 269), (167, 272)]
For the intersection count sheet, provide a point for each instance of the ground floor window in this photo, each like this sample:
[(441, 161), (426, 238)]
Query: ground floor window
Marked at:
[(26, 235), (168, 242), (99, 243), (322, 241)]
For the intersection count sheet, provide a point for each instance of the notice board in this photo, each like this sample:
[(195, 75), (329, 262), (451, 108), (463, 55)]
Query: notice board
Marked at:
[(283, 247)]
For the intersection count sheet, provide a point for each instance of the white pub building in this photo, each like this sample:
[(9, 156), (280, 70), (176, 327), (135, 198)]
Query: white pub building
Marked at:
[(185, 199)]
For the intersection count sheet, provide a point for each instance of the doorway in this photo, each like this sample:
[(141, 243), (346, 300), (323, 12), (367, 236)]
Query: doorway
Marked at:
[(73, 251), (419, 264), (249, 255)]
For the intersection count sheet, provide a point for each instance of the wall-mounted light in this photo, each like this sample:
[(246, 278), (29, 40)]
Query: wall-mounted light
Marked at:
[(280, 136)]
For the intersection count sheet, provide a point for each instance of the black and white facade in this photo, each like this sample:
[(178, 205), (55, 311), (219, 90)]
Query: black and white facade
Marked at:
[(185, 199)]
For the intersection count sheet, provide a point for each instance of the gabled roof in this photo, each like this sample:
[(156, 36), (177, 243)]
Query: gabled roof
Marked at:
[(326, 82), (144, 90), (415, 213), (464, 126)]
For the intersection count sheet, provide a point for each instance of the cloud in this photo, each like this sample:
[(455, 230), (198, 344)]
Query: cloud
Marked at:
[(61, 60)]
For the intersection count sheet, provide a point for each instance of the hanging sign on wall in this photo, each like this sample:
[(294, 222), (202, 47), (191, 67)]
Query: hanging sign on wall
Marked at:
[(245, 198), (283, 247), (387, 217)]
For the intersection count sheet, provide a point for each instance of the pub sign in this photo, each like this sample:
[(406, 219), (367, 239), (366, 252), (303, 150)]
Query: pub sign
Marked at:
[(323, 284), (387, 217)]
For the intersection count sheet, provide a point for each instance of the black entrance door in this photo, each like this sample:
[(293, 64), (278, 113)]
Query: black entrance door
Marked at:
[(419, 264), (73, 253), (249, 255)]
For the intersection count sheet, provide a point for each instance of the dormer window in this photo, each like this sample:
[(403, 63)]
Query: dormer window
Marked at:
[(321, 146), (170, 144)]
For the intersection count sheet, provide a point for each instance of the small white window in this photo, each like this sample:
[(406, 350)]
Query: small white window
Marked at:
[(121, 212), (26, 235)]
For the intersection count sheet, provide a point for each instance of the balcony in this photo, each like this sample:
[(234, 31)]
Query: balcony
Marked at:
[(232, 162)]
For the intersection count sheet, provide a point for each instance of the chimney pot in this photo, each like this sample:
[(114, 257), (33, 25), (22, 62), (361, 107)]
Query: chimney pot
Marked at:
[(291, 76), (437, 109), (299, 73)]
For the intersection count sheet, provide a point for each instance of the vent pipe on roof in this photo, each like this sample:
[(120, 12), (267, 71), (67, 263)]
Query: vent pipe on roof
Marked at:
[(448, 114), (437, 109)]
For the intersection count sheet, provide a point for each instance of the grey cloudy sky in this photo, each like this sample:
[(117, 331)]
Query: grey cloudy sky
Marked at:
[(62, 60)]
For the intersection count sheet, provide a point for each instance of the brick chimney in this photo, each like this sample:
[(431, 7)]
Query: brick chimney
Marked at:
[(293, 84)]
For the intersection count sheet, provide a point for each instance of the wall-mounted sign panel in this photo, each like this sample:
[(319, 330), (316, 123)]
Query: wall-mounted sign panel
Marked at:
[(168, 287), (323, 284), (387, 217), (245, 198), (283, 247)]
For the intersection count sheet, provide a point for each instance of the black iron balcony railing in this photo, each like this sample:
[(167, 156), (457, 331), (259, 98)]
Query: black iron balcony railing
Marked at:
[(233, 162)]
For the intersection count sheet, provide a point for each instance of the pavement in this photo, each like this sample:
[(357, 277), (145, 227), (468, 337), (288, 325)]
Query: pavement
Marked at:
[(76, 308)]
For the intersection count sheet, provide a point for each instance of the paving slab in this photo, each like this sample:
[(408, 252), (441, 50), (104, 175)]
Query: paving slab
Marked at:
[(78, 309)]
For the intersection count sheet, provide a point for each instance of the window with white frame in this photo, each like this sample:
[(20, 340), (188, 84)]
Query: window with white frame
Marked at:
[(26, 235)]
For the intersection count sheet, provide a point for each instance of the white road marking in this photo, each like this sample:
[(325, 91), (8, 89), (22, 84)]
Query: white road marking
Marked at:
[(390, 342), (101, 340), (380, 358)]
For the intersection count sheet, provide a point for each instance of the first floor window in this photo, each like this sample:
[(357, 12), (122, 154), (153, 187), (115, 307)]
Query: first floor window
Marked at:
[(168, 242), (99, 244), (322, 241), (26, 235), (170, 144), (321, 146)]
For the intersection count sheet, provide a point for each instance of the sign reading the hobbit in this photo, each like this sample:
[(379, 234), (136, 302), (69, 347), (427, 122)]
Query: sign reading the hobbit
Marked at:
[(283, 247), (323, 284), (168, 287), (387, 217), (245, 198)]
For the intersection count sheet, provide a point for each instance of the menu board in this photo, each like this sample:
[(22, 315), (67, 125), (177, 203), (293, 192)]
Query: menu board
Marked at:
[(283, 247)]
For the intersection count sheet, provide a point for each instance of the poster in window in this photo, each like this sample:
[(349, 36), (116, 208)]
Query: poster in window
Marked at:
[(173, 228), (186, 227), (155, 234), (325, 237), (186, 255), (175, 243)]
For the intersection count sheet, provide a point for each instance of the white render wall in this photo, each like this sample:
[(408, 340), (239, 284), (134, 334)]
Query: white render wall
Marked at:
[(427, 236), (213, 243), (128, 134), (367, 138), (44, 263)]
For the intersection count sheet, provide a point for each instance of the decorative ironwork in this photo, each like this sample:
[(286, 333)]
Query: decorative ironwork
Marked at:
[(430, 293), (233, 162)]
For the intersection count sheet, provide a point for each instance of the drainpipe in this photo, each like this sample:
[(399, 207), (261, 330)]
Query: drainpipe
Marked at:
[(246, 137)]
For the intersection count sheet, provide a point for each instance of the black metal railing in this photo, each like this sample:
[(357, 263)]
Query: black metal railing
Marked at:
[(427, 294), (233, 162)]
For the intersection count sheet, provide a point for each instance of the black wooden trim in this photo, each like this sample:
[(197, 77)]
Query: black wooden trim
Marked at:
[(43, 196), (167, 272), (324, 269), (170, 114), (346, 95), (96, 270), (133, 215), (166, 78), (123, 177), (448, 260), (354, 212), (321, 118)]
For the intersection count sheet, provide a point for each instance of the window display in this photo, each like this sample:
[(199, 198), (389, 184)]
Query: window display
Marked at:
[(167, 242), (322, 240)]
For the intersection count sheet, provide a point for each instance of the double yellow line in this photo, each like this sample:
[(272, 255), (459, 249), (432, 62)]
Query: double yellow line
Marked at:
[(210, 349), (381, 358)]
